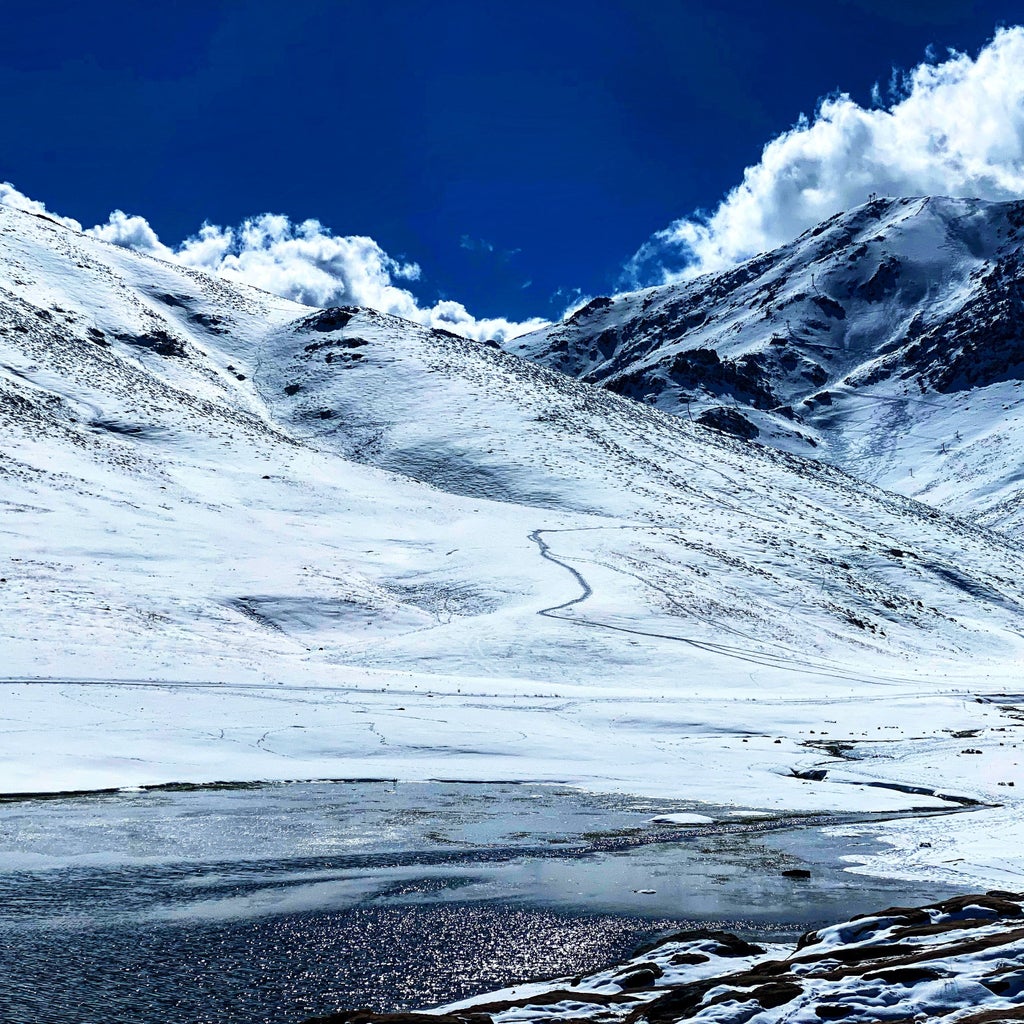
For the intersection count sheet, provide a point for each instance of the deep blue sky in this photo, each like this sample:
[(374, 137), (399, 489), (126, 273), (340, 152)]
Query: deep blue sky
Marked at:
[(562, 134)]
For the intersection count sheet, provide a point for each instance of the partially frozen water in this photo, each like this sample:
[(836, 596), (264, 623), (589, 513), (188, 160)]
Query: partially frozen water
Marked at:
[(272, 903)]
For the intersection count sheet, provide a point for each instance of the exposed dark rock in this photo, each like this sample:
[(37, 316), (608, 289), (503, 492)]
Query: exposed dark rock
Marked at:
[(639, 976), (728, 421), (210, 322), (336, 343), (703, 367), (814, 374), (158, 341), (332, 319), (369, 1017), (688, 959), (835, 1011), (675, 1005), (908, 976), (883, 282), (774, 993), (558, 995), (601, 302), (1009, 985), (725, 943), (829, 307), (996, 903)]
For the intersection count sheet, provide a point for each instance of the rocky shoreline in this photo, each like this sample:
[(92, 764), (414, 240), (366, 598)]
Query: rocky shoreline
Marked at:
[(960, 960)]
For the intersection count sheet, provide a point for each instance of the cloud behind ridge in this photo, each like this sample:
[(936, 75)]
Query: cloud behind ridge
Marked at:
[(953, 128), (304, 262), (309, 264)]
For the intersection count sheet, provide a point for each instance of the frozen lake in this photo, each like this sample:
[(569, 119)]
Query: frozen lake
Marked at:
[(270, 903)]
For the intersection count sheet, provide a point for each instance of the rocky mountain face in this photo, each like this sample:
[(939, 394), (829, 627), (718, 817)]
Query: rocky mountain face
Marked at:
[(888, 340)]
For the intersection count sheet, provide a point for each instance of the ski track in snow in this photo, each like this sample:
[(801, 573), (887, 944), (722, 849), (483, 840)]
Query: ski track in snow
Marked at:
[(788, 657)]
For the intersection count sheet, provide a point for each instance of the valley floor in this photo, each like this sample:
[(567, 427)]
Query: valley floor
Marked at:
[(244, 539)]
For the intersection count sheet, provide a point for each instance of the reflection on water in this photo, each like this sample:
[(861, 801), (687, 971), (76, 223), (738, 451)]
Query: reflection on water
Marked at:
[(270, 904), (286, 968)]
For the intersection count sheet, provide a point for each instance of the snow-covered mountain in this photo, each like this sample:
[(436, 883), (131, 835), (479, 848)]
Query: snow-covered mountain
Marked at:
[(887, 341), (243, 538)]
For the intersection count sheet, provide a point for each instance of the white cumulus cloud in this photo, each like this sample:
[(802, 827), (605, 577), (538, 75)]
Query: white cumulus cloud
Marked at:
[(954, 127), (132, 233), (304, 262), (10, 196), (309, 264)]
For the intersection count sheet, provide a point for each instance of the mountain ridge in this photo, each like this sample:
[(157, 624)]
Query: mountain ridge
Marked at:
[(912, 305)]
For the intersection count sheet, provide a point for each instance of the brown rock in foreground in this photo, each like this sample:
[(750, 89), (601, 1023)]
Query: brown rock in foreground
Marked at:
[(960, 960), (368, 1017)]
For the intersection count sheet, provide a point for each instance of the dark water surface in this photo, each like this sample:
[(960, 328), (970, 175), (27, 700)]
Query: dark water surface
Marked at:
[(265, 905)]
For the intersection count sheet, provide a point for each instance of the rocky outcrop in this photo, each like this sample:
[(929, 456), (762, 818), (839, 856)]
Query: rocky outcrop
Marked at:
[(958, 959)]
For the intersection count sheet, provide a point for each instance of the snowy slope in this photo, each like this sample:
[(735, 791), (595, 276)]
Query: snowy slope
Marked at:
[(886, 341), (313, 543)]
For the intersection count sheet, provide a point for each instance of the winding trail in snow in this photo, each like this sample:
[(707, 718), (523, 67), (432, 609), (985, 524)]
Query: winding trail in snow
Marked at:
[(787, 659), (585, 587)]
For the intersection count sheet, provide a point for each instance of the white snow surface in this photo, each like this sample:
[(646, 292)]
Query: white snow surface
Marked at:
[(683, 818), (246, 539)]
